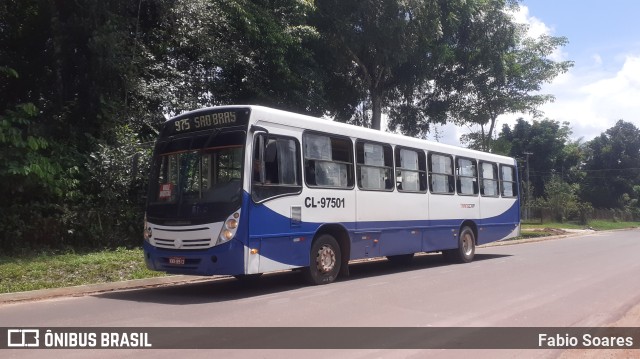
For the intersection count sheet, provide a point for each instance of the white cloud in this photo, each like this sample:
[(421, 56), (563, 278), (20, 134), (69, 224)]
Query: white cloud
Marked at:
[(597, 59), (593, 100), (592, 96), (615, 96), (536, 26)]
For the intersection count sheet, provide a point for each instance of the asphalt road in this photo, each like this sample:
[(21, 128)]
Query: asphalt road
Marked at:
[(589, 280)]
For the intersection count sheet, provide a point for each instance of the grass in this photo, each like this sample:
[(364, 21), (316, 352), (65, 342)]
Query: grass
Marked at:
[(55, 270), (597, 225), (608, 225)]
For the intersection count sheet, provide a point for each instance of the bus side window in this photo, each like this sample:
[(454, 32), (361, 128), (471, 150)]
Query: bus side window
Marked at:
[(467, 174), (508, 186), (441, 173), (410, 170), (328, 160), (276, 167), (489, 182), (374, 166)]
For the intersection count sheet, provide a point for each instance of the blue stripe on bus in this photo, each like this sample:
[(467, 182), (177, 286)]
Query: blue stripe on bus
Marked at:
[(278, 241), (281, 242)]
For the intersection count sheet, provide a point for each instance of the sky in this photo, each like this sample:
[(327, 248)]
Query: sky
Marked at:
[(603, 86)]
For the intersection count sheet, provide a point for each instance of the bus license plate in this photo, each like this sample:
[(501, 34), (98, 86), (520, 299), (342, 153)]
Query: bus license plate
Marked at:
[(176, 260)]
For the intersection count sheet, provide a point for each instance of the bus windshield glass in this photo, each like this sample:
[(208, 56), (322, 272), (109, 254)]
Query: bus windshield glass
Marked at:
[(197, 179)]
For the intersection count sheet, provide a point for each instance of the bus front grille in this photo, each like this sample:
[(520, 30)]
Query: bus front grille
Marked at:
[(183, 239)]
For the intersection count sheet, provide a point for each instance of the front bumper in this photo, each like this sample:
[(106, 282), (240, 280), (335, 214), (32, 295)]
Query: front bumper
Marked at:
[(223, 259)]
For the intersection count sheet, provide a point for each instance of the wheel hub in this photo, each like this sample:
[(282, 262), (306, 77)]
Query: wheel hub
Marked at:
[(326, 259), (467, 244)]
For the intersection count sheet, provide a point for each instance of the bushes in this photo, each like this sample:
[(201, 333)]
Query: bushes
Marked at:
[(97, 202), (118, 176), (35, 182), (561, 202)]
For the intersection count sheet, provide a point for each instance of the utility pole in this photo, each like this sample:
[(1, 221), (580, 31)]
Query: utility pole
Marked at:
[(527, 206)]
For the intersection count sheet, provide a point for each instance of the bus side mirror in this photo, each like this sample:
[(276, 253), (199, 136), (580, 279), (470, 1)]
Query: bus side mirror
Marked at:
[(255, 128)]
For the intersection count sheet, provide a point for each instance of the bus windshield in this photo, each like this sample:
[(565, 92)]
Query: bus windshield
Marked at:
[(197, 179)]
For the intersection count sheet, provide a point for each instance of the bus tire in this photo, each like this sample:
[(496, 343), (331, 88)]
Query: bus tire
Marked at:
[(466, 247), (401, 259), (324, 260)]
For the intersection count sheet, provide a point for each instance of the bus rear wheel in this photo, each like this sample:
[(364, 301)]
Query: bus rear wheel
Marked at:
[(466, 247), (325, 260)]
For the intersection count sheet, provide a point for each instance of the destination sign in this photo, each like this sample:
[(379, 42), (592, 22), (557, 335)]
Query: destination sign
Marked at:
[(207, 120)]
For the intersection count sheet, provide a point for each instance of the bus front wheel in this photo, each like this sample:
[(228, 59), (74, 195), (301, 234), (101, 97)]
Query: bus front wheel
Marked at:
[(466, 247), (325, 260)]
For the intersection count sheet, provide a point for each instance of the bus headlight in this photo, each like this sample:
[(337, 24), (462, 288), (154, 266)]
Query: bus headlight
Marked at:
[(226, 235), (232, 223), (229, 228)]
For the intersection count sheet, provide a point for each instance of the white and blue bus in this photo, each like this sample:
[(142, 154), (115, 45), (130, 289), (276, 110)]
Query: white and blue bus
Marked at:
[(243, 190)]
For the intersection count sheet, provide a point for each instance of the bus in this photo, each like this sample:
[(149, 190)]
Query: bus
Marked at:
[(244, 190)]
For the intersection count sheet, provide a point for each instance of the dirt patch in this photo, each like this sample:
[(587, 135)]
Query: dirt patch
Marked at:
[(549, 231)]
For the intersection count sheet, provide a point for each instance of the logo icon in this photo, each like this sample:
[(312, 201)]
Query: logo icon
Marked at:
[(23, 338)]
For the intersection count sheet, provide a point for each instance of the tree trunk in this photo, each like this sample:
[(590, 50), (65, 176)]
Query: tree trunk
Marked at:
[(56, 44), (483, 139), (376, 110), (490, 134)]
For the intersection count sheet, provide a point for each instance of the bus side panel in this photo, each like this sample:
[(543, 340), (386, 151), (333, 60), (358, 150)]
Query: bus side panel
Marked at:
[(512, 218), (440, 235), (501, 219), (402, 241), (279, 245), (398, 218), (448, 212), (285, 242)]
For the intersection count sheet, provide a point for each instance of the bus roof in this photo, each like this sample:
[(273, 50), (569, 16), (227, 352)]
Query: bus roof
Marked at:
[(261, 114)]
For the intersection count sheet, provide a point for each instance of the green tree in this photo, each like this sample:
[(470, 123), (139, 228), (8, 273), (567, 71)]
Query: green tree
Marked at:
[(111, 212), (33, 182), (612, 165), (386, 52), (503, 72), (427, 61), (560, 198), (23, 154), (73, 63), (547, 141), (631, 202), (208, 52), (88, 69), (571, 161)]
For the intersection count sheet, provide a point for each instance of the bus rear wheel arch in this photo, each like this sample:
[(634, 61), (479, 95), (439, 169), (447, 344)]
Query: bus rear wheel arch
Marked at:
[(325, 260)]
